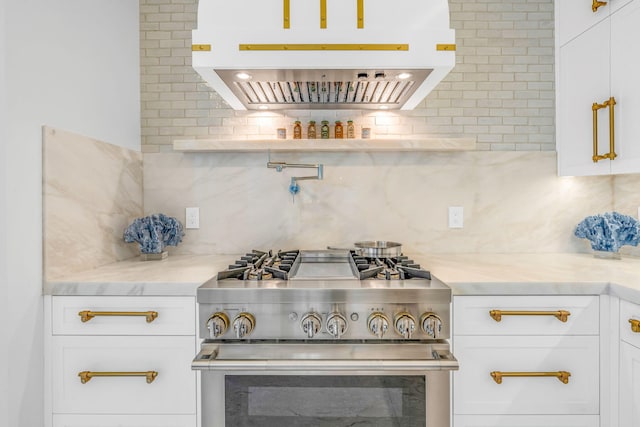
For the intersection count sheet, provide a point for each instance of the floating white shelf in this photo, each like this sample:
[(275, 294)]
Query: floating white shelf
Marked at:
[(326, 145)]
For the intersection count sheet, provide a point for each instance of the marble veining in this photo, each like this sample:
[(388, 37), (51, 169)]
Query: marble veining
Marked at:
[(513, 201), (626, 200), (91, 192)]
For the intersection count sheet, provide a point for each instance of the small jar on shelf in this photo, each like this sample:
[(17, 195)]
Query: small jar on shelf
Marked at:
[(297, 130), (311, 130), (338, 130), (351, 130), (324, 130)]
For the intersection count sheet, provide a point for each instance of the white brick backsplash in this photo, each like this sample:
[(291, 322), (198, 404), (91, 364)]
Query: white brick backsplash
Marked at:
[(501, 91)]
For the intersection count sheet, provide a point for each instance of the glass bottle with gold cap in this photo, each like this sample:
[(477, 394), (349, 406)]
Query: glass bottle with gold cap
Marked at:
[(297, 130), (311, 130), (339, 131), (324, 130), (351, 130)]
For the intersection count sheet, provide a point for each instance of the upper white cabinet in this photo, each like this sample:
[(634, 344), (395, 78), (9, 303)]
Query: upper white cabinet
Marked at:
[(577, 16), (596, 64)]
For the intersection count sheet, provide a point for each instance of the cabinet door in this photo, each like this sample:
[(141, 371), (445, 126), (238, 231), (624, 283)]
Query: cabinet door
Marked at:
[(583, 78), (625, 86), (629, 385), (574, 17)]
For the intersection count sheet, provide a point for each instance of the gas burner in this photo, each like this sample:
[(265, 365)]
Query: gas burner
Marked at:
[(265, 265), (392, 268), (259, 265)]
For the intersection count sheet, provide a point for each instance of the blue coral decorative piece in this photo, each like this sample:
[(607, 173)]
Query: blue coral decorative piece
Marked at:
[(154, 232), (609, 231)]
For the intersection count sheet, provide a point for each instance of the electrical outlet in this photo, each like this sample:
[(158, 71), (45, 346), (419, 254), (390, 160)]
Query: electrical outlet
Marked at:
[(456, 216), (192, 216)]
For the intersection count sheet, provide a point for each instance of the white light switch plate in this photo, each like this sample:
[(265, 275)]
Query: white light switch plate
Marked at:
[(192, 217), (456, 216)]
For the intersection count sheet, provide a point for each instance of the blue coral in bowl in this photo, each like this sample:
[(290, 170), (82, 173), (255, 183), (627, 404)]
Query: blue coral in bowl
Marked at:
[(610, 231), (154, 232)]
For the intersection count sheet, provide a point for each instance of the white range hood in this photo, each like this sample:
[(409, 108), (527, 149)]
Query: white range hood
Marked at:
[(323, 54)]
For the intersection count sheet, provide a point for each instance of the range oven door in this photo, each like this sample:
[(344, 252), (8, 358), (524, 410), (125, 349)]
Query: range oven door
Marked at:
[(316, 385)]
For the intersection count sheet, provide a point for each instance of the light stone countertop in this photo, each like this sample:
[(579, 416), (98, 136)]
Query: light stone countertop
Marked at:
[(536, 274), (177, 275), (466, 274)]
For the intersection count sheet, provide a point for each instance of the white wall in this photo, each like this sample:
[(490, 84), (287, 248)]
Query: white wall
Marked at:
[(72, 64), (4, 370)]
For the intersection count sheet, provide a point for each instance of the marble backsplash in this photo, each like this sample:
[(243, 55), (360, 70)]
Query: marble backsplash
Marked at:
[(91, 192), (513, 201)]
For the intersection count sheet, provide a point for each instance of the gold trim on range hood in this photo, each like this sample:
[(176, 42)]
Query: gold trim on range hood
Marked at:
[(323, 89)]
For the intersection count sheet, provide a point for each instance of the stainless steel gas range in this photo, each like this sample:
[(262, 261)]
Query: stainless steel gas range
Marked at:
[(324, 338)]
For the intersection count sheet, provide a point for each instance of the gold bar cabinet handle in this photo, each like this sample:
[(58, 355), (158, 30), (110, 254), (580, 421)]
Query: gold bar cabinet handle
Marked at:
[(610, 103), (635, 325), (323, 13), (87, 315), (597, 4), (85, 376), (286, 14), (360, 8), (561, 315), (562, 376)]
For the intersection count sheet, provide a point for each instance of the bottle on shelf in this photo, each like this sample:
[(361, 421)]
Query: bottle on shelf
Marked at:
[(351, 131), (311, 130), (339, 131), (297, 130), (324, 130)]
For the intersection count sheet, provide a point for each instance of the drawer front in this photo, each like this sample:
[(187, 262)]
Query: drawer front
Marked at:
[(176, 315), (172, 392), (629, 311), (124, 420), (476, 392), (526, 421), (472, 315)]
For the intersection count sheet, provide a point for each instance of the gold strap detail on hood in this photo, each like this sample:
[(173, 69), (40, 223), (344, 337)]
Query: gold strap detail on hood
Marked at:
[(324, 46)]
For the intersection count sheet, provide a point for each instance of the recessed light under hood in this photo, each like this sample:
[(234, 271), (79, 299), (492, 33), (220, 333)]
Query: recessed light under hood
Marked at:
[(322, 89), (390, 60)]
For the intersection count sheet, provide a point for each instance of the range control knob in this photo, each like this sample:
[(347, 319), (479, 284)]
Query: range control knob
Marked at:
[(336, 324), (378, 324), (431, 324), (405, 324), (217, 324), (311, 323), (243, 324)]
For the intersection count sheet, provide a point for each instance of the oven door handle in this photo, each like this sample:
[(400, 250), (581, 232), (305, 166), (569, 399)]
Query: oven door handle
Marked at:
[(209, 360)]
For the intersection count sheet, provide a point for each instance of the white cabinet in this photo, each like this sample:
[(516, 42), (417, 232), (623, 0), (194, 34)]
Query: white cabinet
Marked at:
[(121, 361), (629, 411), (526, 360), (596, 62)]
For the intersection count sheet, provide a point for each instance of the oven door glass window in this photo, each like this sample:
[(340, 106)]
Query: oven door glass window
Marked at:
[(315, 401)]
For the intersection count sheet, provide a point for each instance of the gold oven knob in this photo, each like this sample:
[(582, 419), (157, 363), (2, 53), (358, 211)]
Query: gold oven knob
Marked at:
[(217, 324), (431, 324), (243, 324), (405, 324), (378, 323)]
